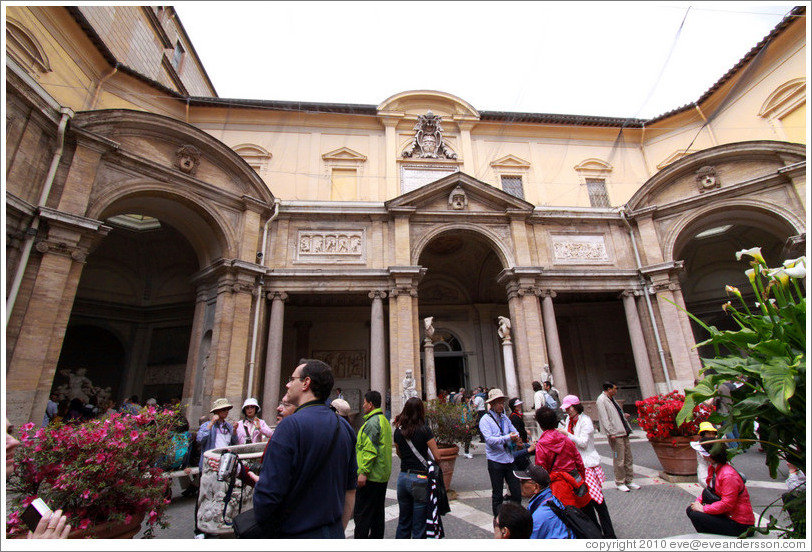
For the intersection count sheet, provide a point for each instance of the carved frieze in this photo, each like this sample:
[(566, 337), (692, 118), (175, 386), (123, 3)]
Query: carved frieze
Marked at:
[(579, 249), (345, 364), (331, 246)]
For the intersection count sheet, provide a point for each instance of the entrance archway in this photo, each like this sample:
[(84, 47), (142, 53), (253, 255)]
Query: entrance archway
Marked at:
[(461, 292), (136, 286)]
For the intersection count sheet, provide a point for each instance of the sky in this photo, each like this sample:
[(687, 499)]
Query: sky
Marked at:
[(618, 59)]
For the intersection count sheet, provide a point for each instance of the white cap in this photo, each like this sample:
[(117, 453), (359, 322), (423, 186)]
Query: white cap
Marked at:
[(250, 401)]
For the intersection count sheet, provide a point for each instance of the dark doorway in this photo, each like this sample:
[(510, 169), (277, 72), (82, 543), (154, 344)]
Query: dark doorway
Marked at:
[(450, 372)]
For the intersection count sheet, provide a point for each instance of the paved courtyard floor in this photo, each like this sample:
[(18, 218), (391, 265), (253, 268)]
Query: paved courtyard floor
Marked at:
[(657, 510)]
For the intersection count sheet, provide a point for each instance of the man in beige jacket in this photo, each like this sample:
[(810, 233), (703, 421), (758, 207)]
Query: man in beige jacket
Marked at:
[(617, 430)]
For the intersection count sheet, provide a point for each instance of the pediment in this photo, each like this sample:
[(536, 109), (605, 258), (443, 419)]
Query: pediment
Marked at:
[(344, 154), (512, 162), (480, 197), (593, 164)]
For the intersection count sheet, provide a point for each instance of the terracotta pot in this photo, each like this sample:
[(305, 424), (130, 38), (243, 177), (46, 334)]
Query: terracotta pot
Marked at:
[(110, 530), (676, 455), (448, 457)]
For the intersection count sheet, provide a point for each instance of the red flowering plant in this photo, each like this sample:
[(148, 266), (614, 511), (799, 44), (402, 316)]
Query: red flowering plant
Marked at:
[(99, 471), (657, 416)]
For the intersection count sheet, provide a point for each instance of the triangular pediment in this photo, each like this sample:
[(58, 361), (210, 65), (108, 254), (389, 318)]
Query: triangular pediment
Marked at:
[(511, 161), (343, 154), (480, 197)]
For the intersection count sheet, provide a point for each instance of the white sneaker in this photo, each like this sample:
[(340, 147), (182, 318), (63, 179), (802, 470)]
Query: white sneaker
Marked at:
[(633, 486), (623, 488), (200, 536), (468, 456)]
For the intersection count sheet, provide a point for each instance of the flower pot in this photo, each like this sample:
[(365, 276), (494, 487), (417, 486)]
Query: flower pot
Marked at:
[(110, 530), (676, 455), (448, 457)]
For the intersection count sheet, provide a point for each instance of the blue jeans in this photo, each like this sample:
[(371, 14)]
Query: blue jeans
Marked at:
[(412, 518)]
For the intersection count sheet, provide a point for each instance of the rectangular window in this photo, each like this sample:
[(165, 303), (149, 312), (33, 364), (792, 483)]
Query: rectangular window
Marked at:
[(344, 185), (597, 192), (513, 186), (178, 56)]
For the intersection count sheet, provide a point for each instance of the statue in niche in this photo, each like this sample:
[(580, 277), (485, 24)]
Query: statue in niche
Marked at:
[(457, 200), (428, 325), (187, 158), (707, 179), (504, 328), (409, 386), (546, 375), (428, 139)]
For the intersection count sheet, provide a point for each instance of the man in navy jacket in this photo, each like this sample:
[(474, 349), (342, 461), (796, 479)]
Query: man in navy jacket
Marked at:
[(293, 495)]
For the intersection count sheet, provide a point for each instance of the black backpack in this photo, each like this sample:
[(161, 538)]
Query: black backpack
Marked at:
[(577, 521)]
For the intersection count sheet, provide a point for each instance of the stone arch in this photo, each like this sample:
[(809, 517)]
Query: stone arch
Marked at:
[(421, 100), (502, 251), (209, 234), (770, 217), (786, 97)]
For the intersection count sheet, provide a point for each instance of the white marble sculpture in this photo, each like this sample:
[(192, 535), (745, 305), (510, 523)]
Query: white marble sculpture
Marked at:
[(428, 325), (504, 327), (409, 386)]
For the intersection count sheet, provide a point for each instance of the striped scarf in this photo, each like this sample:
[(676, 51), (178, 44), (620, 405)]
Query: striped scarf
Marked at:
[(434, 524)]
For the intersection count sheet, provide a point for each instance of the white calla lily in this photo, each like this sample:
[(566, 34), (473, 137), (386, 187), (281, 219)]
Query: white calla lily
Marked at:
[(754, 252)]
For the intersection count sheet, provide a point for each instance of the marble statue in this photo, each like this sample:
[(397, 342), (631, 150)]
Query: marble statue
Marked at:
[(428, 325), (504, 327), (409, 386)]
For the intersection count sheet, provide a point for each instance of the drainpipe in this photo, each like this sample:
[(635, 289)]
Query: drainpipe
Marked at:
[(99, 87), (260, 283), (646, 295), (31, 233)]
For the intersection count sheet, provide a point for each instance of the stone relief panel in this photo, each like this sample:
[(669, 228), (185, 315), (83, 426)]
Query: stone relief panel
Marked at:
[(572, 249), (345, 364), (331, 246)]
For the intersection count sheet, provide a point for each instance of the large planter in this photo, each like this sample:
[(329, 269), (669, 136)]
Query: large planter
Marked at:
[(213, 493), (676, 455), (110, 530), (448, 457)]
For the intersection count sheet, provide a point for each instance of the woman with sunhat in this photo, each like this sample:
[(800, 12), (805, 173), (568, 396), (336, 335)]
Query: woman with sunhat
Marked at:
[(706, 433), (251, 428), (217, 432), (581, 431)]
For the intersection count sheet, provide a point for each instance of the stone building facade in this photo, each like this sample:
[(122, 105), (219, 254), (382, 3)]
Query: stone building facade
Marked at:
[(175, 243)]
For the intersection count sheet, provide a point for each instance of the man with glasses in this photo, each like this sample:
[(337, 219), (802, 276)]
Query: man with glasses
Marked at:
[(306, 488)]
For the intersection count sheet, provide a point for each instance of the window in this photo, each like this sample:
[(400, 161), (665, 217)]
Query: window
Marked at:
[(597, 192), (513, 186), (177, 57), (344, 185)]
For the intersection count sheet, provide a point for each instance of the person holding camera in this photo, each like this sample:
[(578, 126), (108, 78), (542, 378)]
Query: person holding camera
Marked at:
[(724, 506), (215, 433), (251, 428), (51, 526)]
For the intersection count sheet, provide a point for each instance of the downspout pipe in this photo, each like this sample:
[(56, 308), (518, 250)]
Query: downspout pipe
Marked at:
[(645, 287), (260, 283), (31, 233)]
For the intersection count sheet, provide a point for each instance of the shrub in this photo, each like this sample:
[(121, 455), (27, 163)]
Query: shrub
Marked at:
[(657, 416)]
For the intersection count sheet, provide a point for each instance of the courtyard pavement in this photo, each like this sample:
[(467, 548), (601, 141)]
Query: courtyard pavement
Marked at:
[(657, 510)]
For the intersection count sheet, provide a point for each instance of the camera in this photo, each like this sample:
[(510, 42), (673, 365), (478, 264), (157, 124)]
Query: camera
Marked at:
[(228, 466)]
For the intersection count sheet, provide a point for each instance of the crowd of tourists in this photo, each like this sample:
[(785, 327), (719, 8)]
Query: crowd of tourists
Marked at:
[(317, 473)]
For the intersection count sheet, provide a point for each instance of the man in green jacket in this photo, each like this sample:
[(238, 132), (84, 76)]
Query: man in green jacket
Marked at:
[(374, 454)]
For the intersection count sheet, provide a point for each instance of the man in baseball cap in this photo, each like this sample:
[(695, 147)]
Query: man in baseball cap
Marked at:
[(535, 485)]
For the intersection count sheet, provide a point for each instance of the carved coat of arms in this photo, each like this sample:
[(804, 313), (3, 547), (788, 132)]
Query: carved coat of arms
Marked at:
[(428, 139)]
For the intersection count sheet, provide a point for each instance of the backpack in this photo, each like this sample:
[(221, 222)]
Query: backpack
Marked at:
[(576, 521)]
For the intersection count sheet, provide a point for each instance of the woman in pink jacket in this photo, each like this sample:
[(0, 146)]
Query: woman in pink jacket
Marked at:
[(251, 428), (732, 514)]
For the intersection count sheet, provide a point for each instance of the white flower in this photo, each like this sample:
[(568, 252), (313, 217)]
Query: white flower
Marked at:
[(754, 252), (798, 271)]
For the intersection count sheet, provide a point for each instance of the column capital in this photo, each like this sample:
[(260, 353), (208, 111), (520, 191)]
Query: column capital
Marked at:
[(280, 295), (630, 293), (552, 294), (377, 294), (665, 286), (528, 290), (403, 290)]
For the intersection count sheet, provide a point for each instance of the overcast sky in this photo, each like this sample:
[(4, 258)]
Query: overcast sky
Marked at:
[(636, 59)]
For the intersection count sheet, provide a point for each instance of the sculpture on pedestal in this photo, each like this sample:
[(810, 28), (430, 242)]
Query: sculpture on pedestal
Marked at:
[(428, 325), (409, 386), (504, 327)]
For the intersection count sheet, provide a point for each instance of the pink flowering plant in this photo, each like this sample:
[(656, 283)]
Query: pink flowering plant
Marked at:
[(657, 416), (98, 471)]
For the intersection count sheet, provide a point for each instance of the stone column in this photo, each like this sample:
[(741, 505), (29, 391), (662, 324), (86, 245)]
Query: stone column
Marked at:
[(641, 362), (507, 351), (553, 342), (273, 359), (402, 343), (390, 121), (678, 345), (428, 363), (377, 344)]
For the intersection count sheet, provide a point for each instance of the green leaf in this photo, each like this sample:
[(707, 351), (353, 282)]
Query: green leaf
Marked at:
[(779, 383)]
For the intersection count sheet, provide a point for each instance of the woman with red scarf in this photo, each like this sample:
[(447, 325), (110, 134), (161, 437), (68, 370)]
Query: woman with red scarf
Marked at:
[(581, 431)]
